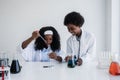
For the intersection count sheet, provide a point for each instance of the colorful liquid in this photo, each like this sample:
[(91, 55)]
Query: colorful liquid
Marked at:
[(2, 73), (15, 67), (71, 64), (114, 68)]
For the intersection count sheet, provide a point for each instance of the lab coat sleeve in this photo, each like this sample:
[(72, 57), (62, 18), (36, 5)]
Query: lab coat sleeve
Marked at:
[(26, 53), (90, 54), (61, 54)]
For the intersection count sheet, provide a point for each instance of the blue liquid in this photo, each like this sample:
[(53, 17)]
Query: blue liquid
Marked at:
[(71, 64)]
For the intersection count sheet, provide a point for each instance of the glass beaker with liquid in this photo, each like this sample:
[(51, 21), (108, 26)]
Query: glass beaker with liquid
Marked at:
[(4, 66), (15, 66), (71, 62), (4, 60), (114, 67)]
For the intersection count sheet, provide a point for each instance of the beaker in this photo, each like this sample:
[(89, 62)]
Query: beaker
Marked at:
[(114, 67), (4, 60), (104, 59)]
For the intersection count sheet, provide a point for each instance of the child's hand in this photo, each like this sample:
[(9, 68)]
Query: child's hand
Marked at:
[(53, 55), (35, 34), (67, 58), (79, 61)]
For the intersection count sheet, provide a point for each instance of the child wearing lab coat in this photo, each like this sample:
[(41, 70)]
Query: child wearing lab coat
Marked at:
[(81, 43), (43, 45)]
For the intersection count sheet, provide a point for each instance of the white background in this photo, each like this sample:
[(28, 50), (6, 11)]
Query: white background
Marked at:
[(18, 18)]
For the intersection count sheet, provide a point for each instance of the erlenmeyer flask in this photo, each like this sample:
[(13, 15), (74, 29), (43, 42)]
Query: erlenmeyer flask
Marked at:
[(15, 66), (71, 62), (114, 67)]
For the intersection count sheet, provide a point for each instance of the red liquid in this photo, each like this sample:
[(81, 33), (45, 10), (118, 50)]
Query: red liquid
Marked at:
[(114, 68), (2, 73)]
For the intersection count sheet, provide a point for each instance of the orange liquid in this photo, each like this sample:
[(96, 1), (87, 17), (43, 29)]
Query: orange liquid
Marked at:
[(114, 68)]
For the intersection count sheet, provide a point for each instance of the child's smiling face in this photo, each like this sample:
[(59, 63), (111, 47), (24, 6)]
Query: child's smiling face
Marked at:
[(73, 29), (48, 38)]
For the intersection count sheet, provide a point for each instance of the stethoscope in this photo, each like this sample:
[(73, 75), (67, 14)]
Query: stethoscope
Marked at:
[(78, 39)]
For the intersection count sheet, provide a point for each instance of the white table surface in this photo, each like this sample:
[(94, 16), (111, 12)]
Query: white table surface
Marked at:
[(88, 71)]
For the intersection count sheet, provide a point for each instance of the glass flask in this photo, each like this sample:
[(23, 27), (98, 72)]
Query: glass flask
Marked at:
[(114, 67), (71, 62), (15, 66), (4, 66)]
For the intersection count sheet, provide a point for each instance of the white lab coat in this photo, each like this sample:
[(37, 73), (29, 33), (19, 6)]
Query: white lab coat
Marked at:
[(87, 46), (30, 54)]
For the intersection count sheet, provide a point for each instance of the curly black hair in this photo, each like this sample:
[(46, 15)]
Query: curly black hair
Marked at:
[(55, 45), (74, 18)]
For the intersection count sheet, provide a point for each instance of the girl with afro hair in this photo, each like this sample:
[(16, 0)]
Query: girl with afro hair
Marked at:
[(43, 45)]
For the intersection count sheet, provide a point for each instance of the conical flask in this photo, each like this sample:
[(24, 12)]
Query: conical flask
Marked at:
[(71, 62), (15, 66), (114, 67)]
